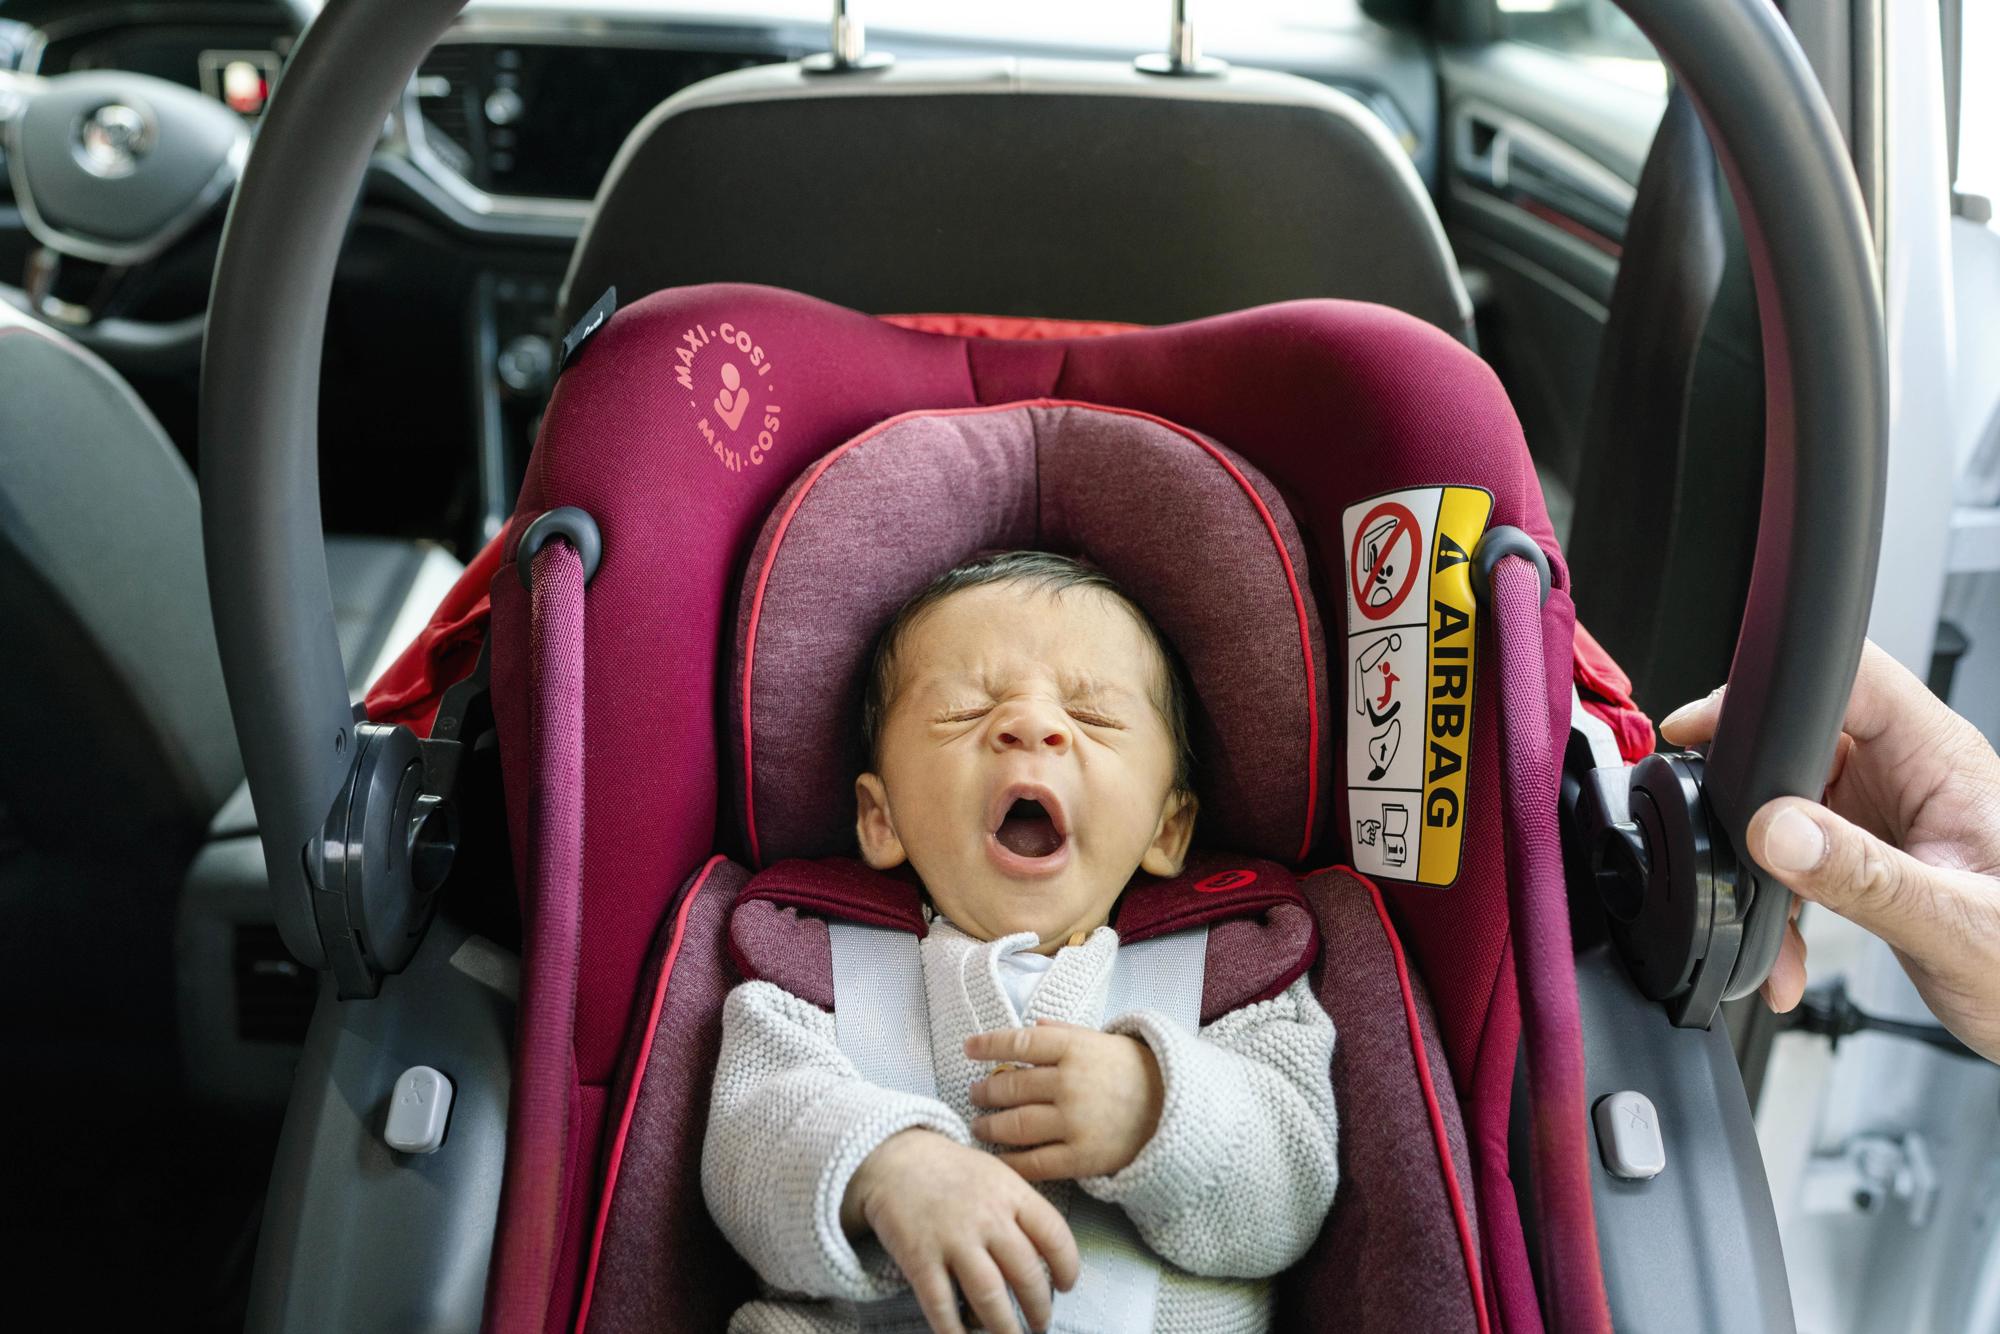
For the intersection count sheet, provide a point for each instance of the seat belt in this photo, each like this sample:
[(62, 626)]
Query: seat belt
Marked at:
[(878, 982), (879, 1006)]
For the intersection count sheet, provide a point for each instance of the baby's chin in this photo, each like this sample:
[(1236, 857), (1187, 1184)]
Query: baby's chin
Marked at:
[(1052, 922)]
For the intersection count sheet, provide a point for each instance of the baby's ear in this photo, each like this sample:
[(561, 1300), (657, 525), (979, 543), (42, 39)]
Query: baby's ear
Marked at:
[(1168, 851), (873, 828)]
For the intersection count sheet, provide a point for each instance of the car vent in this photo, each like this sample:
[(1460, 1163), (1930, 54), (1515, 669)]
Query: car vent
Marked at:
[(447, 88), (274, 992)]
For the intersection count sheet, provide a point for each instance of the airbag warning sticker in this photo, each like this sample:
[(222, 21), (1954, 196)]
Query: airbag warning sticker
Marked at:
[(1411, 640)]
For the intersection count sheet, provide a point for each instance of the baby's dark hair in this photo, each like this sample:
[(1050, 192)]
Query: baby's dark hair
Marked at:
[(1054, 575)]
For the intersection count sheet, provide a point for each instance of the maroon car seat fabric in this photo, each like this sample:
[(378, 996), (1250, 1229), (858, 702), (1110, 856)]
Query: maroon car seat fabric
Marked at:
[(1396, 1253), (870, 524), (690, 413)]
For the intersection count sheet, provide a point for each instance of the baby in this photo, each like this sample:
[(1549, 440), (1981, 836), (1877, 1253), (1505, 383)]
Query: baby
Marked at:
[(1029, 754)]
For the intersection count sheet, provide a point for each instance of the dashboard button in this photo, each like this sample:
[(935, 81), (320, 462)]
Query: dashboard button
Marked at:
[(504, 106), (524, 364)]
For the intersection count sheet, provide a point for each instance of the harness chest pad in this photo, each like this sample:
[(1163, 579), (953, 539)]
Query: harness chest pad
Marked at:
[(1261, 936)]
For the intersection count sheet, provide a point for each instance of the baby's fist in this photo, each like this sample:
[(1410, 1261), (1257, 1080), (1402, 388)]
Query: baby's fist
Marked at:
[(1077, 1102), (950, 1215)]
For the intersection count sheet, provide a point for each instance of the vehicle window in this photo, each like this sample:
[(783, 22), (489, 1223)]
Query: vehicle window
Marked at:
[(1978, 103), (1595, 32)]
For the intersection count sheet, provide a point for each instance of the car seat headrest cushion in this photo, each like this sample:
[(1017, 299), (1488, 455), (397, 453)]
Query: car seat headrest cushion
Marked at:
[(1198, 537)]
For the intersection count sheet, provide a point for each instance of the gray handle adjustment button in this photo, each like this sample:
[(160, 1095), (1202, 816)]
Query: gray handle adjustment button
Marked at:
[(1628, 1136), (418, 1109)]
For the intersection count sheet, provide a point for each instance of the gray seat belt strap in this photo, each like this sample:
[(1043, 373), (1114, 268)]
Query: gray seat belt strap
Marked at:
[(882, 1023), (880, 1016), (1119, 1290), (1164, 974)]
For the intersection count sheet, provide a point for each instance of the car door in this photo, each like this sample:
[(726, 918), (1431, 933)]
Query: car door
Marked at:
[(1549, 108)]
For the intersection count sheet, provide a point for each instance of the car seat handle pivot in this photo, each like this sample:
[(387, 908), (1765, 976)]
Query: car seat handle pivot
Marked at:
[(1674, 894), (377, 865)]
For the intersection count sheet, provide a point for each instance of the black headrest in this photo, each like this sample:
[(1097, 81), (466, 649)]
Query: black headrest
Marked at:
[(1047, 188)]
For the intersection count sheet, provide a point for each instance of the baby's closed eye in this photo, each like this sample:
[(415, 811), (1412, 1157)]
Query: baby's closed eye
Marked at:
[(1092, 718)]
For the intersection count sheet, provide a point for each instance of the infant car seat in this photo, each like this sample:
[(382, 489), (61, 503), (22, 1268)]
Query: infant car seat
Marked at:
[(1360, 687), (1339, 462)]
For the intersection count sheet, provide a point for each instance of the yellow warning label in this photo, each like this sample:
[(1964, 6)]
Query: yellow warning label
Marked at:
[(1411, 644), (1454, 643)]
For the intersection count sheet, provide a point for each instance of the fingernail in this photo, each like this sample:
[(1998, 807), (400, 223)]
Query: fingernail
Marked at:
[(1682, 712), (1794, 842)]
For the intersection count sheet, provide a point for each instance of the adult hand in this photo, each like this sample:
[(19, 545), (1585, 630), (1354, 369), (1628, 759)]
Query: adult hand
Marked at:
[(1907, 844), (948, 1213), (1080, 1104)]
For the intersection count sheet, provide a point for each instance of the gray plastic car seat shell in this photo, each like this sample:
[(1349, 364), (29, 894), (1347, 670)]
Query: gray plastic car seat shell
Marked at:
[(358, 1236), (1697, 1246)]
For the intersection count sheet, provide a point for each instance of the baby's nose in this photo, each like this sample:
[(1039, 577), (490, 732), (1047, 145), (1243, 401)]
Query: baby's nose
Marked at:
[(1031, 728)]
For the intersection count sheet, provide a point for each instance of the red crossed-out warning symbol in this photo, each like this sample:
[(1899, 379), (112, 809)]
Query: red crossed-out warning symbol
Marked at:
[(1387, 555)]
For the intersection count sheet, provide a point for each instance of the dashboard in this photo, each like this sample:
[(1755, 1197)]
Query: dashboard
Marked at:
[(235, 66), (513, 117), (234, 59)]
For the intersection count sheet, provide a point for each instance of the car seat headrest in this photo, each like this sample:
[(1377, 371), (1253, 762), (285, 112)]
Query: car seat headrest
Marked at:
[(1198, 537)]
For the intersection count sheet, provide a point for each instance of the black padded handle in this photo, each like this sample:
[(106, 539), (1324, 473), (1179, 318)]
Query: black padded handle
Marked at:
[(1826, 418)]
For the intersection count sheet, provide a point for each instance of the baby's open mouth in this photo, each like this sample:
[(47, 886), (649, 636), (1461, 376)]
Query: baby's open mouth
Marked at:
[(1028, 830)]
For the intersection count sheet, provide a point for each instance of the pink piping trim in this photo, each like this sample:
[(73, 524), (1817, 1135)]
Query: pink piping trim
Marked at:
[(1270, 525), (1463, 1222), (632, 1093)]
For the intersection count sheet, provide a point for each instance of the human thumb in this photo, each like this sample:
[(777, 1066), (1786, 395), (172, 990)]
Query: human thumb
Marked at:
[(1829, 861)]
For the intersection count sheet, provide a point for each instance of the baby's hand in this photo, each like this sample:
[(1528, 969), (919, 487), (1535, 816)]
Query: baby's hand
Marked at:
[(946, 1212), (1084, 1106)]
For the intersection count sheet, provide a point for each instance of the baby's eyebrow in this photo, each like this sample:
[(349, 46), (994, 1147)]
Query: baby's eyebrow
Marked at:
[(1081, 686)]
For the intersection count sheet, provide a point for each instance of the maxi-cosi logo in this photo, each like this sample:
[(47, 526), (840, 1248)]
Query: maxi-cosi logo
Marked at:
[(726, 371)]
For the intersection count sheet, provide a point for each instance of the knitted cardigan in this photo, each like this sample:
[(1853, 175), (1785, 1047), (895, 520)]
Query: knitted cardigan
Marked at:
[(1231, 1189)]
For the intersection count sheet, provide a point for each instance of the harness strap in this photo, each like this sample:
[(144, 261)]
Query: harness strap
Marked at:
[(882, 1022), (1545, 969), (533, 1188), (878, 988), (1162, 974)]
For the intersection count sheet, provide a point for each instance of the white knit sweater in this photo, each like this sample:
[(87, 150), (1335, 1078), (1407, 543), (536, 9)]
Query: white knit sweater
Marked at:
[(1231, 1189)]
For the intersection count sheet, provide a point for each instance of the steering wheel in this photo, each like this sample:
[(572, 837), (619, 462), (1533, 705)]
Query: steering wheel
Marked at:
[(1800, 641), (112, 170)]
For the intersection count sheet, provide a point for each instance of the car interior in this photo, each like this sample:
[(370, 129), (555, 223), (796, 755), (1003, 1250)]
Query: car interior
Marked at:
[(329, 334)]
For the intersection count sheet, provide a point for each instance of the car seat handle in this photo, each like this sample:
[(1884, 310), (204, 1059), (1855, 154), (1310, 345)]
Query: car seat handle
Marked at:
[(1826, 427), (1820, 524), (259, 428)]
